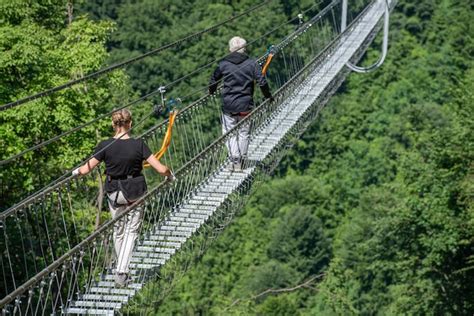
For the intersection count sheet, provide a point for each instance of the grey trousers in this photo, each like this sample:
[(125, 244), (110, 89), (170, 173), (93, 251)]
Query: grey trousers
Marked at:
[(125, 230), (238, 144)]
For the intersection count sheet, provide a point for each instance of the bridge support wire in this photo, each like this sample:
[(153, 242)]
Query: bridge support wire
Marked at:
[(386, 23)]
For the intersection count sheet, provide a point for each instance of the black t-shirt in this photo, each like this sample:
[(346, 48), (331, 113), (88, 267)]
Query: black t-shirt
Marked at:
[(123, 157)]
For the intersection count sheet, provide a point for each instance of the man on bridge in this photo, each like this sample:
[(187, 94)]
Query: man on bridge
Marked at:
[(239, 73)]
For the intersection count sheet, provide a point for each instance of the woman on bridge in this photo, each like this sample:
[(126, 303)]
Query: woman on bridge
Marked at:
[(123, 157)]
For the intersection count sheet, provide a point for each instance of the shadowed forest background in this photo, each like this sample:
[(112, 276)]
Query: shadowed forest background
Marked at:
[(374, 205)]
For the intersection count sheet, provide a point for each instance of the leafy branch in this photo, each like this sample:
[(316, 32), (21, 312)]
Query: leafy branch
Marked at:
[(306, 284)]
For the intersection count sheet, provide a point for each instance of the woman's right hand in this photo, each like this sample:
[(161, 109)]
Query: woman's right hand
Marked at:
[(158, 166), (171, 177)]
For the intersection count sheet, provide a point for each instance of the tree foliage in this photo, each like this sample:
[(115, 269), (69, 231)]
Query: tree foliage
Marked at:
[(40, 50)]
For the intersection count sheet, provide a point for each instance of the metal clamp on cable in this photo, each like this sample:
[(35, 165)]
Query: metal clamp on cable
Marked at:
[(300, 20), (162, 91), (157, 110), (173, 104)]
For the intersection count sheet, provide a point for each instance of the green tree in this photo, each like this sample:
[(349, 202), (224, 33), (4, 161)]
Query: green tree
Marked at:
[(41, 50), (299, 241)]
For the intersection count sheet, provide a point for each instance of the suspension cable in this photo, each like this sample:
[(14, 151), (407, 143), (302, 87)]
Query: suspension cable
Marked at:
[(333, 3), (75, 129), (128, 61), (67, 176), (384, 45)]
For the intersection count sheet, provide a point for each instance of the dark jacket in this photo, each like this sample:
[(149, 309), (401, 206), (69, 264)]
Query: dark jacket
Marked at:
[(239, 73)]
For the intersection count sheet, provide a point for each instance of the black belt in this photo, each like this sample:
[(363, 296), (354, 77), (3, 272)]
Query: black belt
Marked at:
[(123, 177)]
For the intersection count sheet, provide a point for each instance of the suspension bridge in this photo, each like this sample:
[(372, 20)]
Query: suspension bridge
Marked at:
[(54, 261)]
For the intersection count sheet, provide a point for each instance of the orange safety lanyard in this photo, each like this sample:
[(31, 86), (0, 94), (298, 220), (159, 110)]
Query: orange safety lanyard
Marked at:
[(167, 139), (267, 64)]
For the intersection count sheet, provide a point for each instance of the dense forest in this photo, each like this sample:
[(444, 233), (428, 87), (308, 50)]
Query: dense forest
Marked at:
[(370, 213)]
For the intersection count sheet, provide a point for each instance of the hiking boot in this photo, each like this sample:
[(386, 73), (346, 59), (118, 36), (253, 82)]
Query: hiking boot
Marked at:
[(230, 166), (121, 279), (234, 166)]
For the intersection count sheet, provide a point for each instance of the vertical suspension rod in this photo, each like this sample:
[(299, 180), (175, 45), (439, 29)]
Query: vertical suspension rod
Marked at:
[(344, 16), (384, 43)]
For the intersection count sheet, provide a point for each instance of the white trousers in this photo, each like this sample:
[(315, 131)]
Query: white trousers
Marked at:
[(125, 230), (238, 144)]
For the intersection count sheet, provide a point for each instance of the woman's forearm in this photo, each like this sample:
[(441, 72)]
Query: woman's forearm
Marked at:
[(88, 166), (158, 166)]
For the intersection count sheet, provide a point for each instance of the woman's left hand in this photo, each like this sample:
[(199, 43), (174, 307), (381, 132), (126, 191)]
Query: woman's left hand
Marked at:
[(76, 172)]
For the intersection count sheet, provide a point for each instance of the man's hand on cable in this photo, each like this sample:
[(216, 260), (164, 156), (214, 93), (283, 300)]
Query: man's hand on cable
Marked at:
[(266, 92), (212, 89)]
